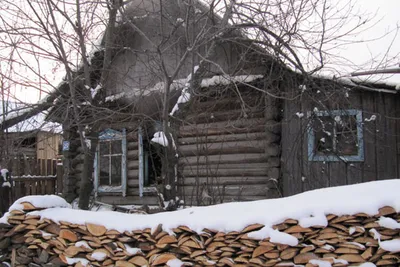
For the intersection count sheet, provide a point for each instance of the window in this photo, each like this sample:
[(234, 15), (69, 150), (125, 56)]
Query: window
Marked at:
[(110, 162), (335, 135)]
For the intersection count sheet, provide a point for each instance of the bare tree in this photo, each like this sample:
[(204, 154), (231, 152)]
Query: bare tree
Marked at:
[(297, 34)]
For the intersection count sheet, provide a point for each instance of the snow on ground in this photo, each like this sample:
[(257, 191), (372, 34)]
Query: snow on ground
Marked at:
[(309, 208)]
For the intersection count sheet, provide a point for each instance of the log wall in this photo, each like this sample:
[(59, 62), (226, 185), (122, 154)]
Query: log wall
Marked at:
[(229, 148)]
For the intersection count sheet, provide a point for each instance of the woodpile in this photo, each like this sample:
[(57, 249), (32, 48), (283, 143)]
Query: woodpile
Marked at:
[(347, 241)]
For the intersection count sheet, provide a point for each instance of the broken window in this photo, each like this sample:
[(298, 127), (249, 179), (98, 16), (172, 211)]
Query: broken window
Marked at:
[(335, 135)]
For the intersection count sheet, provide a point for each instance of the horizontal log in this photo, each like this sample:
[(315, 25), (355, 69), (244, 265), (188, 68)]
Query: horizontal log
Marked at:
[(132, 145), (221, 138), (230, 158), (134, 182), (206, 116), (128, 200), (132, 154), (232, 166), (191, 200), (132, 164), (228, 190), (229, 180), (223, 103), (217, 128), (234, 147), (133, 174), (204, 172)]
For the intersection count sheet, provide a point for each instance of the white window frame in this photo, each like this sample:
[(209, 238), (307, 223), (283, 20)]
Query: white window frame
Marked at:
[(111, 135)]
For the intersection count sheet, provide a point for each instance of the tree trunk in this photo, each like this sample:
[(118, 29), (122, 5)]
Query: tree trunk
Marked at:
[(87, 173)]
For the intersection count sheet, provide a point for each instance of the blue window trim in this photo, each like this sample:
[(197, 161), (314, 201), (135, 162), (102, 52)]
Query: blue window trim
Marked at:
[(360, 139), (110, 134)]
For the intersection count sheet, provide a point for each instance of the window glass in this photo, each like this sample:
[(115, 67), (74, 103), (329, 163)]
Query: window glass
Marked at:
[(323, 128), (116, 167), (346, 135)]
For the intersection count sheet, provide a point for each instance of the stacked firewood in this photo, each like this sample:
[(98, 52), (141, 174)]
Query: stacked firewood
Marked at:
[(347, 241)]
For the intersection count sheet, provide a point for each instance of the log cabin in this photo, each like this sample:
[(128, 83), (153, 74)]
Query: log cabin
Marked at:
[(254, 129)]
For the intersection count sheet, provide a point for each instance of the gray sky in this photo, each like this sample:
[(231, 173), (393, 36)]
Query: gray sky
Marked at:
[(368, 55), (387, 18)]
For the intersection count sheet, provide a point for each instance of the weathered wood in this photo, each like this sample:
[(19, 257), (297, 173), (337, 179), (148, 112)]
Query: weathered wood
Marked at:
[(337, 173), (369, 165), (380, 140), (230, 158), (227, 180), (292, 146), (221, 138), (390, 137), (226, 115), (205, 172), (251, 146), (237, 126)]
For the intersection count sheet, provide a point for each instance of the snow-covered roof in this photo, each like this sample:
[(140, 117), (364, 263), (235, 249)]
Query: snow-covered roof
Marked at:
[(13, 109)]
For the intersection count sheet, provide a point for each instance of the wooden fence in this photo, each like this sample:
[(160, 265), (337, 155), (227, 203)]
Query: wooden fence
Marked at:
[(33, 166)]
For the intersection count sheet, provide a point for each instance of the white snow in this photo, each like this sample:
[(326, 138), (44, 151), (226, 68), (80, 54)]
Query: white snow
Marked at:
[(275, 236), (302, 87), (314, 204), (132, 251), (321, 263), (95, 91), (388, 223), (6, 184), (390, 245), (175, 263), (316, 220), (300, 114), (366, 264), (160, 138), (372, 118), (99, 256), (45, 201), (84, 262), (4, 173), (82, 244)]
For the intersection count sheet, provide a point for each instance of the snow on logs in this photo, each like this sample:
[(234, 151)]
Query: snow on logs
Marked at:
[(359, 239)]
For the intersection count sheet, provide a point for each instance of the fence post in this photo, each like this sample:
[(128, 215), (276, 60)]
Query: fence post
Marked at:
[(60, 174)]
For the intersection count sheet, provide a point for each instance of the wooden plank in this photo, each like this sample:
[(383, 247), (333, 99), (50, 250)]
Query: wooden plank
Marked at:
[(237, 126), (291, 148), (129, 200), (251, 146), (337, 173), (223, 172), (354, 173), (381, 135), (209, 116), (221, 138), (318, 177), (229, 180), (232, 190), (390, 137), (229, 158), (369, 129)]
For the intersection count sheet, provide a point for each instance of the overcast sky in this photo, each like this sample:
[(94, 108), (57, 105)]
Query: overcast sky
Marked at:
[(387, 17), (366, 55)]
